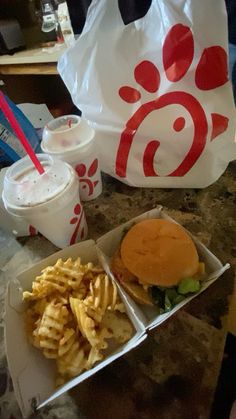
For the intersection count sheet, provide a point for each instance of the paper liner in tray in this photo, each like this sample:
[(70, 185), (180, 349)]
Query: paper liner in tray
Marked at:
[(110, 242), (33, 375)]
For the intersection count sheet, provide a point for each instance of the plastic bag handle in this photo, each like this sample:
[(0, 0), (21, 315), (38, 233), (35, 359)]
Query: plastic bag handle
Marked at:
[(105, 13), (108, 13), (139, 10)]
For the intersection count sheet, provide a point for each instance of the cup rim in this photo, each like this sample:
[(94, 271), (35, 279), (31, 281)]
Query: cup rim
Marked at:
[(11, 208), (70, 150), (65, 117), (18, 163)]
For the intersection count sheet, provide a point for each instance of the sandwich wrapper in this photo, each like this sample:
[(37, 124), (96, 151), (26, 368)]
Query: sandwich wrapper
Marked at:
[(32, 374)]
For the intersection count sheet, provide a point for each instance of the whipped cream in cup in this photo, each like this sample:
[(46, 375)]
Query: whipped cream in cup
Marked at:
[(70, 139), (50, 202)]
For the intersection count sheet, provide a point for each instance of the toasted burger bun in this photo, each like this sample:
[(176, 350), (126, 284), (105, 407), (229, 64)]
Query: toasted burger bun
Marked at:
[(139, 294), (129, 281), (159, 252), (119, 269)]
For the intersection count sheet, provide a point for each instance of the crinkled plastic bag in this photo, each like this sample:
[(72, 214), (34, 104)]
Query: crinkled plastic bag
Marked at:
[(156, 91)]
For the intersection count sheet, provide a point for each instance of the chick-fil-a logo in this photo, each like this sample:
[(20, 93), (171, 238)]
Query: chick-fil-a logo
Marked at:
[(211, 72)]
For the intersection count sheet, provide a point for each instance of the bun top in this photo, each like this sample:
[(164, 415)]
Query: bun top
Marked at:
[(159, 252)]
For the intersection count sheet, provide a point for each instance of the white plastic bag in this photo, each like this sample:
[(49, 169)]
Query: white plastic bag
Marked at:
[(156, 91)]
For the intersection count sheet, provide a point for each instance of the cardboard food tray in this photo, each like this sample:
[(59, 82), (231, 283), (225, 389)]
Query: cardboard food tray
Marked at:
[(33, 374), (110, 242)]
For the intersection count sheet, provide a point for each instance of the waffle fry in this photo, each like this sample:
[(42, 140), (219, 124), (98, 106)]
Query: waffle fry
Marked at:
[(120, 326), (40, 306), (104, 295), (54, 279), (35, 338), (59, 278), (66, 341), (81, 292), (50, 329), (73, 311), (30, 317), (47, 283), (93, 357), (73, 363), (86, 324), (94, 314)]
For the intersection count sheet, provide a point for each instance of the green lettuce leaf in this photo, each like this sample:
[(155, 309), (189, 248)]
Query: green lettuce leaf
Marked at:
[(188, 285), (167, 298)]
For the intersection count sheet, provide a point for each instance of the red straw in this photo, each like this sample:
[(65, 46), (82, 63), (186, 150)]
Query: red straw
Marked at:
[(20, 134)]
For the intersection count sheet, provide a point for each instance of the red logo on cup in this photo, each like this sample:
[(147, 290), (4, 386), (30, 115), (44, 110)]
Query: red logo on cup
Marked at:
[(178, 52), (78, 212), (84, 175)]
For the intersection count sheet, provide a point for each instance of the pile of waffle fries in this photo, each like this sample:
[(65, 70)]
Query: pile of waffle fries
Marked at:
[(72, 312)]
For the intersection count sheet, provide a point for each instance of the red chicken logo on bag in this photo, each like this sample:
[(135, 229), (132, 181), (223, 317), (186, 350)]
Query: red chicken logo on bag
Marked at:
[(211, 72)]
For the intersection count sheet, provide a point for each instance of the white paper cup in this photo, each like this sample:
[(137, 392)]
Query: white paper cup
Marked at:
[(10, 223), (50, 202), (69, 138)]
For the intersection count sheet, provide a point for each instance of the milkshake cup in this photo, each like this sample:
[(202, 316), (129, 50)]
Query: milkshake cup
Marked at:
[(10, 223), (50, 202), (70, 139)]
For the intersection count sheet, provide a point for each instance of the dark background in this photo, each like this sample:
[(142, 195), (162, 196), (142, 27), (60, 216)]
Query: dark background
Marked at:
[(26, 11)]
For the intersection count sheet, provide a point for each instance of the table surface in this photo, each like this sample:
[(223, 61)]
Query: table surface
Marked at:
[(34, 55), (36, 61), (173, 374)]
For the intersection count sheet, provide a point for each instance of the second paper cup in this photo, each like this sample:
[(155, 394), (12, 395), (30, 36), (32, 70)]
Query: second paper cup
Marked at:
[(71, 139)]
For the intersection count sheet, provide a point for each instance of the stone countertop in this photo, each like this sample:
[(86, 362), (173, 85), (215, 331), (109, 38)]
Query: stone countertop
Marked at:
[(173, 374)]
